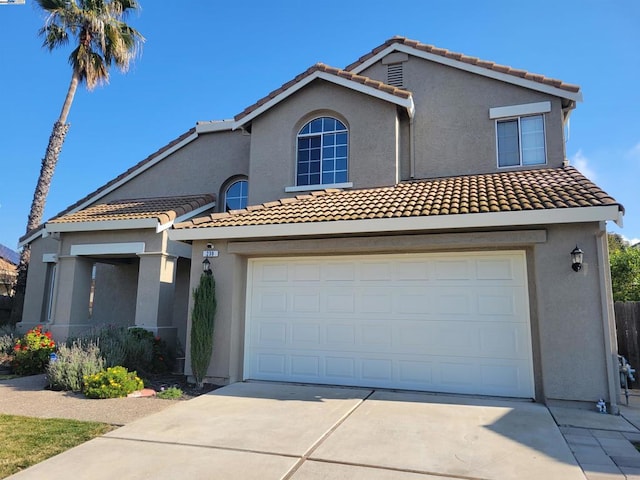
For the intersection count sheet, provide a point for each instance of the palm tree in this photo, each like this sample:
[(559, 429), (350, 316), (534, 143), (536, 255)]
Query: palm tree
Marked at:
[(102, 39)]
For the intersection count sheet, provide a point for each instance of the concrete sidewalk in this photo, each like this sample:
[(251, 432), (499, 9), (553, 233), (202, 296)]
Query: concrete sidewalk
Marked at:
[(281, 431)]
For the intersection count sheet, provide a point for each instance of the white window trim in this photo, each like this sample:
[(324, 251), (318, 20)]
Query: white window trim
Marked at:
[(519, 110), (544, 138), (323, 186)]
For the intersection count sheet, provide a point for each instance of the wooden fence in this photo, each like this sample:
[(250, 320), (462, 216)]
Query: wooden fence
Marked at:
[(628, 327)]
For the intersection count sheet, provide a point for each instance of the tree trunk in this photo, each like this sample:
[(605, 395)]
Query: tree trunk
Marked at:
[(49, 162)]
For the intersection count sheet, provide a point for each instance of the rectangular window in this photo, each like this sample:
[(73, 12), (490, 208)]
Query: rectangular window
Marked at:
[(50, 289), (521, 141)]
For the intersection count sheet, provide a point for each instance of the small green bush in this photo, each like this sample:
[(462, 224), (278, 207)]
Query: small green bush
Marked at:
[(171, 393), (113, 382), (31, 352), (72, 365)]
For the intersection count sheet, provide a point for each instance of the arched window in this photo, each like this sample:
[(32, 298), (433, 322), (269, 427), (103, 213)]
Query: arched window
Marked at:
[(235, 196), (322, 152)]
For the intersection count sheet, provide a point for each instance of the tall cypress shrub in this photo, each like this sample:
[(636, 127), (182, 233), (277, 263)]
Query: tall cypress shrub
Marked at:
[(204, 309)]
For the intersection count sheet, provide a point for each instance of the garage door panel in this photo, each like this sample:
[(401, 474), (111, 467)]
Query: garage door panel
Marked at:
[(435, 322)]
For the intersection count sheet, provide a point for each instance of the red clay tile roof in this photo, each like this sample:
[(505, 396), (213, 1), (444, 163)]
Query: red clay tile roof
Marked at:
[(321, 67), (466, 59), (164, 209), (539, 189)]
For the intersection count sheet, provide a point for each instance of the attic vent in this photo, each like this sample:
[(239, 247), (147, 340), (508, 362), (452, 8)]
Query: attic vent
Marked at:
[(394, 75)]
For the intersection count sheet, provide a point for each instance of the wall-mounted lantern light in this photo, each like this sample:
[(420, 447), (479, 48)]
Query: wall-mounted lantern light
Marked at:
[(206, 266), (576, 259)]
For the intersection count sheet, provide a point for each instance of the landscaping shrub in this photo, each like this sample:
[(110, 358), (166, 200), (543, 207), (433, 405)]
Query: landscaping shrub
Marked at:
[(73, 363), (111, 341), (7, 342), (204, 310), (171, 393), (135, 348), (113, 382), (31, 352)]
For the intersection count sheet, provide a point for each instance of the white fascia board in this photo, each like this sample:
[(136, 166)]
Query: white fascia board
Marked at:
[(31, 238), (215, 126), (107, 248), (102, 225), (374, 92), (185, 217), (435, 222), (518, 110), (505, 77)]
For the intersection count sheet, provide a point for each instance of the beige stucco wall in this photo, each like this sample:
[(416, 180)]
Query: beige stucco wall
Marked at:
[(453, 132), (372, 138), (201, 166), (34, 309), (114, 301), (565, 309), (131, 289), (572, 341)]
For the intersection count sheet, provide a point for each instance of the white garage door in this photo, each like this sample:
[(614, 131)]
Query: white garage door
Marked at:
[(433, 322)]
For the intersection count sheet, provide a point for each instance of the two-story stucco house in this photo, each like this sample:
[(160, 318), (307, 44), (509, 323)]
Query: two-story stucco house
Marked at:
[(405, 222)]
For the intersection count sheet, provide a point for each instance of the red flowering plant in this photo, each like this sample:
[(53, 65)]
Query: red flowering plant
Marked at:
[(31, 352)]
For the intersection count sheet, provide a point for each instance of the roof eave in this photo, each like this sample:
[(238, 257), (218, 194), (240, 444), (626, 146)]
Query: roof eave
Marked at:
[(515, 80), (215, 126), (406, 103), (433, 222), (100, 225), (185, 217)]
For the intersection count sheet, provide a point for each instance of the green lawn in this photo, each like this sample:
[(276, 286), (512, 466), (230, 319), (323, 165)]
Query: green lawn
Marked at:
[(25, 441)]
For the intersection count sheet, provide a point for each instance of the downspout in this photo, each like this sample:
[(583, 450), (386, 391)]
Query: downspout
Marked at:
[(412, 147), (411, 111), (608, 320)]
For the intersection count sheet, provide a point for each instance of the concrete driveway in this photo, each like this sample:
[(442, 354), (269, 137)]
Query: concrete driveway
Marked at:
[(279, 431)]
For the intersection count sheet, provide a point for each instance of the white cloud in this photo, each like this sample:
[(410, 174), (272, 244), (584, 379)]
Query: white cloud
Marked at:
[(634, 152), (632, 241), (582, 163)]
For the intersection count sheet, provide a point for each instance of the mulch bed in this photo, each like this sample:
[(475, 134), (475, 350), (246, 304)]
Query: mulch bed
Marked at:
[(163, 381)]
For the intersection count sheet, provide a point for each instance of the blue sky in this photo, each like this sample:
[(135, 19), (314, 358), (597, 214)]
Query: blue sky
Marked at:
[(208, 60)]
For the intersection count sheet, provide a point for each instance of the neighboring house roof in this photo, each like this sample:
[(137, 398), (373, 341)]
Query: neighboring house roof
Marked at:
[(9, 255), (459, 60), (8, 271), (442, 201), (159, 212), (8, 266), (331, 74)]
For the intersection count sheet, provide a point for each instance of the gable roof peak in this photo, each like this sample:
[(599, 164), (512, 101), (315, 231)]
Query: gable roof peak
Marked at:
[(332, 74), (462, 61)]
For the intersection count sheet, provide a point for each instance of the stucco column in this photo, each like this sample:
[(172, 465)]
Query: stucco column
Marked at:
[(155, 295), (71, 305)]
